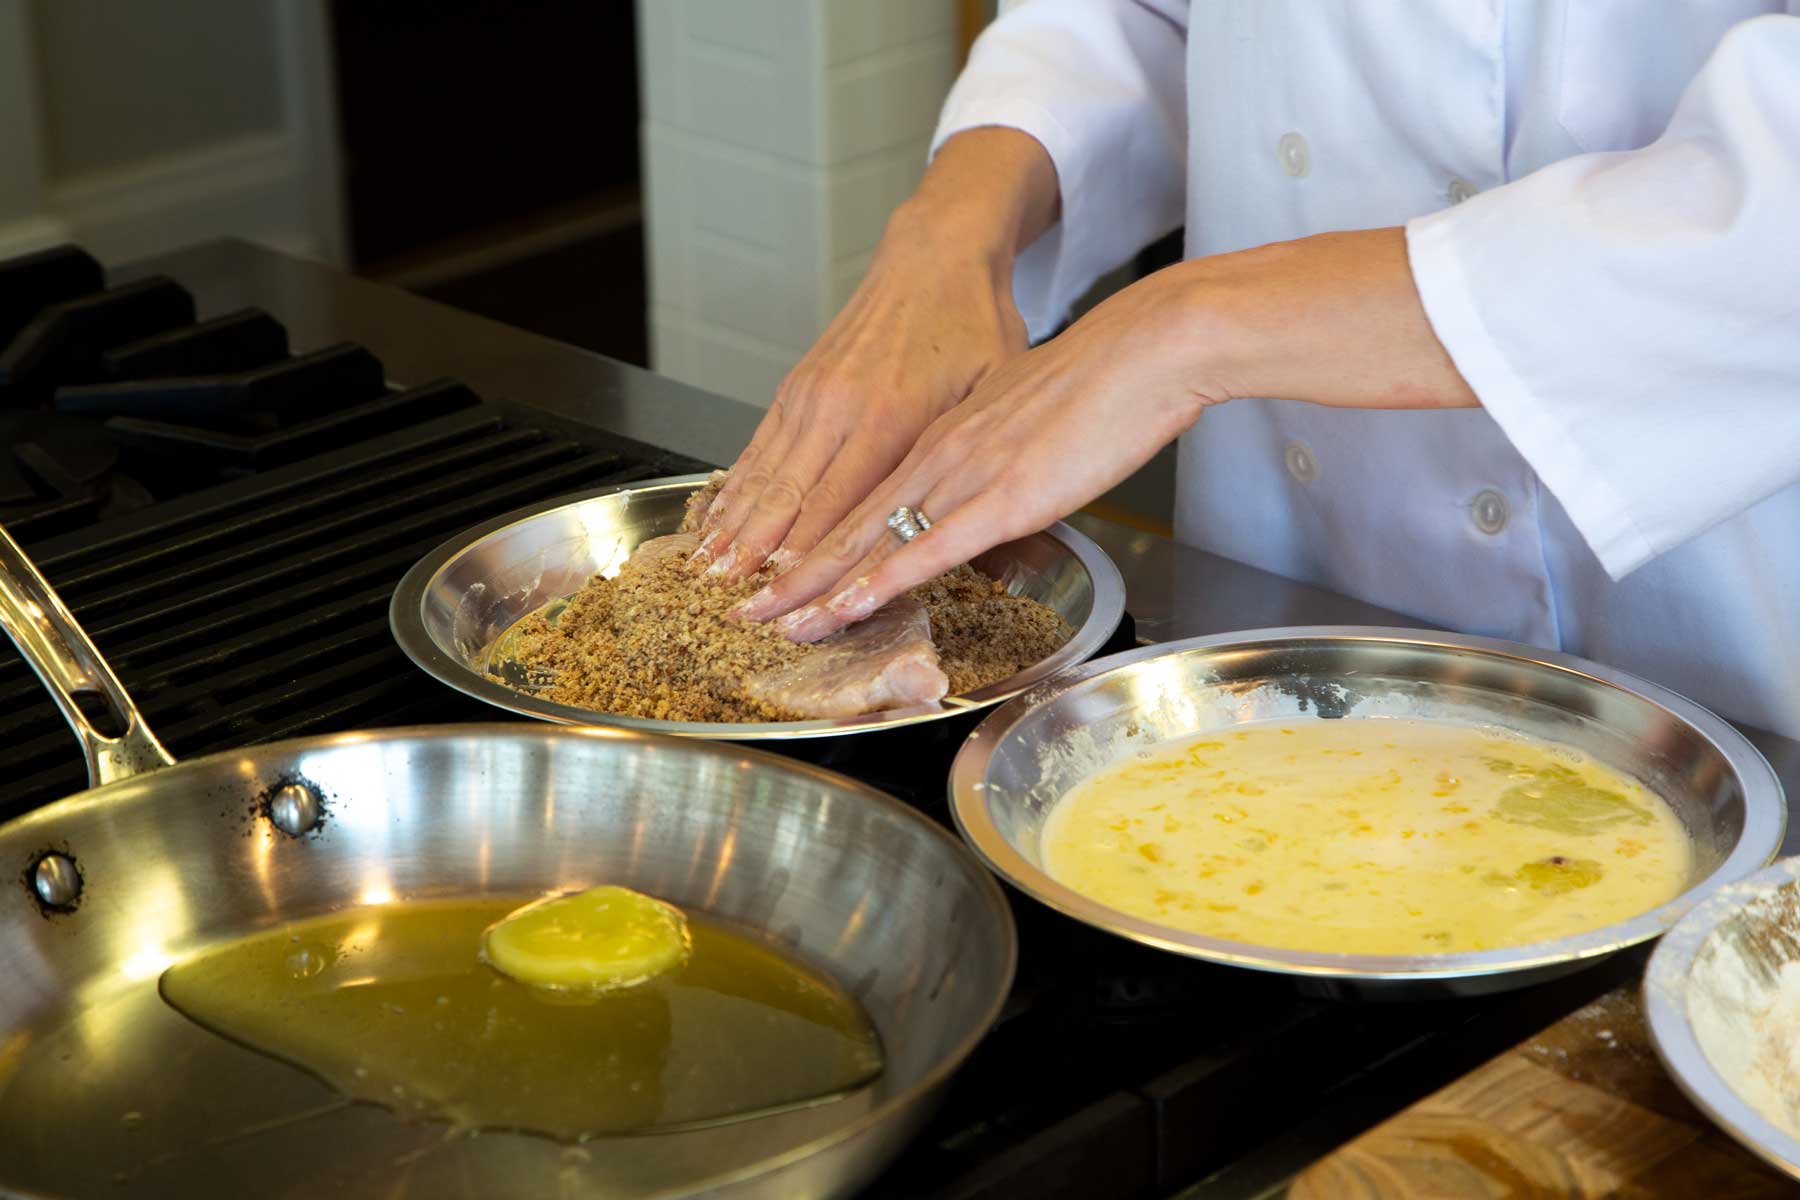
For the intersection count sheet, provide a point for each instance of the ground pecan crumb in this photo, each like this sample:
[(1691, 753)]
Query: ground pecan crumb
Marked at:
[(654, 642)]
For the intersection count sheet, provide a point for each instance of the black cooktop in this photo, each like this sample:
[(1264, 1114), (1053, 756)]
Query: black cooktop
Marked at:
[(228, 521)]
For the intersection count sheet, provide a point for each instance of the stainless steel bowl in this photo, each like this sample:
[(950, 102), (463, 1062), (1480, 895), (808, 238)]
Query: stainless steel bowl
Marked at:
[(1711, 979), (458, 599), (1025, 756)]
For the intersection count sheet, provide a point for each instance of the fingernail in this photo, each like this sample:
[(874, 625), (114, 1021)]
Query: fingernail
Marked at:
[(728, 563), (704, 554), (757, 607), (807, 624), (853, 603), (783, 560)]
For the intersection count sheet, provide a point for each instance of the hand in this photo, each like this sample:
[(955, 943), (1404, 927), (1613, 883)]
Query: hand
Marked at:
[(1040, 437), (919, 334), (1334, 319), (933, 317)]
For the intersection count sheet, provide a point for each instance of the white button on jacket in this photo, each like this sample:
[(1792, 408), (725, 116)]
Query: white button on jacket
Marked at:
[(1603, 218), (1296, 156)]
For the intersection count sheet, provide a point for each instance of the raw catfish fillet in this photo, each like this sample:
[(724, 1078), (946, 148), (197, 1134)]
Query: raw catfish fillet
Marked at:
[(885, 661), (656, 549), (700, 501)]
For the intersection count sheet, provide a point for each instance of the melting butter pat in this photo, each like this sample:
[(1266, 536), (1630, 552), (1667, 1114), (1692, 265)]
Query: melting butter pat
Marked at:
[(604, 938)]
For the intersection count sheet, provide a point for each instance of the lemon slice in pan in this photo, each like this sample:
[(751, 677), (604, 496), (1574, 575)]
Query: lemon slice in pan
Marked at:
[(604, 938)]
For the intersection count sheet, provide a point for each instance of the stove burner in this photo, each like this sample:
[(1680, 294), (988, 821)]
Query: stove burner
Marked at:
[(239, 341), (58, 475), (254, 401), (146, 405), (36, 281), (64, 342)]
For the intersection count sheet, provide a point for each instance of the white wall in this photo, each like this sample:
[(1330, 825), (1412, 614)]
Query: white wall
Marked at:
[(778, 136), (137, 128)]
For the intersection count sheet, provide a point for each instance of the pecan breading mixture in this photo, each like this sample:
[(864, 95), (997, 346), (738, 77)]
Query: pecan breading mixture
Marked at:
[(654, 642)]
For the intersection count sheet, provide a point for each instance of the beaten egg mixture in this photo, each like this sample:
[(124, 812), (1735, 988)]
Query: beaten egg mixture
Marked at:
[(1369, 836)]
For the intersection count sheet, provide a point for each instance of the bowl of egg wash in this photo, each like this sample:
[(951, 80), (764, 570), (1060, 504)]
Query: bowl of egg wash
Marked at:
[(1379, 813)]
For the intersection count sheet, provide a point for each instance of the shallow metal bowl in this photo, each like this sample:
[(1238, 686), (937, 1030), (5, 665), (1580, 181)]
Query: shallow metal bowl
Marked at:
[(455, 601), (1710, 981), (1024, 757)]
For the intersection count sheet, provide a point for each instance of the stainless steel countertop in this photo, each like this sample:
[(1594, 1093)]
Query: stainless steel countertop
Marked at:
[(1172, 590)]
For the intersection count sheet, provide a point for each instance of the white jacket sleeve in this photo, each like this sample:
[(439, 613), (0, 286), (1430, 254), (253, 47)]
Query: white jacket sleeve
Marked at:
[(1101, 84), (1632, 320)]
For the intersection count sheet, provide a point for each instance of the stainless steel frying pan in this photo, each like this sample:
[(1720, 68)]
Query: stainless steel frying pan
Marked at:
[(106, 1091)]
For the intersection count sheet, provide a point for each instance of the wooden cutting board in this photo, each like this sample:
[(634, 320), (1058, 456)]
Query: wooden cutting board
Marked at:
[(1582, 1111)]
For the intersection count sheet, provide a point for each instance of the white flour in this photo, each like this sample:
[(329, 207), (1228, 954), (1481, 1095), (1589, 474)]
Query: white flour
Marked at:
[(1744, 1004)]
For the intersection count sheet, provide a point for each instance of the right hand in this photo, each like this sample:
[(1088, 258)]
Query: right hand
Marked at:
[(933, 317)]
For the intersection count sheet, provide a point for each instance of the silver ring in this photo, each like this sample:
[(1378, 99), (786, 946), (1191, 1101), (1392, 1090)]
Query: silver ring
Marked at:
[(908, 523)]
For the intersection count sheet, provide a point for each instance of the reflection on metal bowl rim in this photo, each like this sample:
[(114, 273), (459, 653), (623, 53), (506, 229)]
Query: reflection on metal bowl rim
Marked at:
[(1698, 975), (1029, 752), (454, 602)]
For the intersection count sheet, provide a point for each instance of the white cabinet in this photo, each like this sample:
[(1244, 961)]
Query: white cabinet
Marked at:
[(778, 135), (137, 128)]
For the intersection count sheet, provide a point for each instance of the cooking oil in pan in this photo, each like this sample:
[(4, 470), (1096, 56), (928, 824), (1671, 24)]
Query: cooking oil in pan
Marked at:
[(391, 1005)]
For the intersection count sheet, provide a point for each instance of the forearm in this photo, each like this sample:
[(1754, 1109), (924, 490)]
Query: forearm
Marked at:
[(1333, 319), (988, 193)]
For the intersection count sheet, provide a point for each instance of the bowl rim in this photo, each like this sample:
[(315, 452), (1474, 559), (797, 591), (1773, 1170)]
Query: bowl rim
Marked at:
[(406, 620), (1665, 997), (1765, 818)]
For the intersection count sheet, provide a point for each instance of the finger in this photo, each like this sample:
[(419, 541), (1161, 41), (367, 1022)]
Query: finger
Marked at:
[(980, 524), (834, 557), (743, 483), (766, 430), (851, 477), (797, 473), (855, 594)]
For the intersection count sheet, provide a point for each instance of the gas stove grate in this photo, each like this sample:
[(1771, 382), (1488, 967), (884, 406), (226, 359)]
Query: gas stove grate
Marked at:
[(228, 522), (258, 610)]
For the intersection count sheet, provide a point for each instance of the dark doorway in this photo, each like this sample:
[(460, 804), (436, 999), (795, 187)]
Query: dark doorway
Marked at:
[(491, 159)]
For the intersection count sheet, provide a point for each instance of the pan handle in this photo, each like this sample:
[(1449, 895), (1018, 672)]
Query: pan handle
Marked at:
[(48, 638)]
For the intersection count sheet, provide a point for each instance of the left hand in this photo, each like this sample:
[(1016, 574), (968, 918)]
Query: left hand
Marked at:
[(1334, 319), (1040, 437)]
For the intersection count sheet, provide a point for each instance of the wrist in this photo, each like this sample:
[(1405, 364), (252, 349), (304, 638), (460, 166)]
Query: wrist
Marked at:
[(965, 223), (1196, 329), (986, 195), (950, 237), (1333, 319)]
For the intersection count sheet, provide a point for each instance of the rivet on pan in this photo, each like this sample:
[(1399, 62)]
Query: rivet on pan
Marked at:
[(56, 880), (294, 809)]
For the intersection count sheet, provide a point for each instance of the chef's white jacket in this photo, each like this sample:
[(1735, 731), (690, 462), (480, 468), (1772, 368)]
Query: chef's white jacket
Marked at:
[(1602, 208)]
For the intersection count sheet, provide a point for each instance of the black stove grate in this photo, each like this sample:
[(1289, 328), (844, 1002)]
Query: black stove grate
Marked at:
[(228, 522), (262, 612)]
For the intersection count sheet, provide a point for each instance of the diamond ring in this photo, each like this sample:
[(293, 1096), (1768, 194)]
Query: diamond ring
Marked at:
[(908, 523)]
